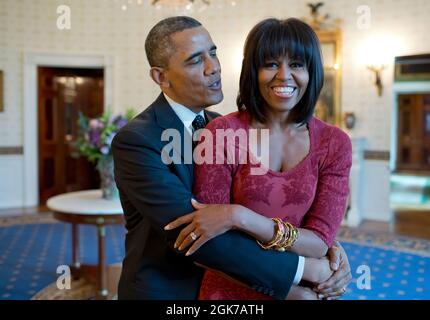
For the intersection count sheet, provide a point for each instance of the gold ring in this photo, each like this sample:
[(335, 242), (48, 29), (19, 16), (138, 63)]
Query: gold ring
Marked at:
[(193, 236)]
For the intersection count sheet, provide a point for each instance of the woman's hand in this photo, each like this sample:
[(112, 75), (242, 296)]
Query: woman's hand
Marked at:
[(207, 222), (335, 286)]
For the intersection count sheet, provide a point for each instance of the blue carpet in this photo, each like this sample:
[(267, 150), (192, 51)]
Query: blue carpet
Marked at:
[(30, 254), (395, 275)]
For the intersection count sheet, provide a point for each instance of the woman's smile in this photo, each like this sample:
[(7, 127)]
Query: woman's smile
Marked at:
[(283, 83), (284, 92)]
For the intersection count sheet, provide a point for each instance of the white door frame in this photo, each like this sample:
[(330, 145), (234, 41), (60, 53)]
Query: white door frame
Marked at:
[(31, 62)]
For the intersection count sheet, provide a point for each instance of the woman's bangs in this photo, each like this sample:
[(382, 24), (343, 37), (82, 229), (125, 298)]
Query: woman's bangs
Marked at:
[(281, 42)]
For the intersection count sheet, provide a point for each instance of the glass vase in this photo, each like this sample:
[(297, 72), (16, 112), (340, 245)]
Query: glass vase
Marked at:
[(107, 180)]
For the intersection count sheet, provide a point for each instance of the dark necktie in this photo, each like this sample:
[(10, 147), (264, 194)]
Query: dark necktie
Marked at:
[(198, 123)]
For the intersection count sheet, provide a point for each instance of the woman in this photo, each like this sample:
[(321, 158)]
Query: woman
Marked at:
[(305, 179)]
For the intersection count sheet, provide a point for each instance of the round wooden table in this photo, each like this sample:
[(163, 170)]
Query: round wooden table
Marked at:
[(88, 207)]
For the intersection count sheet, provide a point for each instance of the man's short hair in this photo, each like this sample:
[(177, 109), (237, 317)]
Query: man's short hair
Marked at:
[(158, 44)]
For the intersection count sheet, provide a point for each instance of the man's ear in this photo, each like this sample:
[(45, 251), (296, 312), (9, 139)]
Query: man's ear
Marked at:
[(158, 74)]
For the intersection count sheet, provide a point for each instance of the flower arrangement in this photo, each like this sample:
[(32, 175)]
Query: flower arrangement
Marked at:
[(96, 135), (94, 142)]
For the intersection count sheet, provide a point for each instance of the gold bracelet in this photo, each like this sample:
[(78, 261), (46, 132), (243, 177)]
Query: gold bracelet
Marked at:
[(295, 237), (294, 233), (290, 237), (284, 238), (280, 230)]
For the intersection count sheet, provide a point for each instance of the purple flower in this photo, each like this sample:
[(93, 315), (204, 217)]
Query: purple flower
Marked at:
[(95, 124), (94, 137), (99, 134)]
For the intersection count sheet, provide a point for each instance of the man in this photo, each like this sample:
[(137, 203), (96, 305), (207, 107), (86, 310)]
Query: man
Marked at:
[(184, 64)]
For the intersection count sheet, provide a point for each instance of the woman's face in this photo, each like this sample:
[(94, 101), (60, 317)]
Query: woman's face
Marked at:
[(282, 83)]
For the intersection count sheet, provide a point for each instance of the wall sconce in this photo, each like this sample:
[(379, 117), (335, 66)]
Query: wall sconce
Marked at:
[(377, 52), (378, 82)]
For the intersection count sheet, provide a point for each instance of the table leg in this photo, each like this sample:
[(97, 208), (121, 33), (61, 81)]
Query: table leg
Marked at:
[(75, 246), (102, 281)]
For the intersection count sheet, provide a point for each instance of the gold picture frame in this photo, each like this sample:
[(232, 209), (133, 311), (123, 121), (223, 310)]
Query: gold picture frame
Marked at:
[(328, 107), (1, 92)]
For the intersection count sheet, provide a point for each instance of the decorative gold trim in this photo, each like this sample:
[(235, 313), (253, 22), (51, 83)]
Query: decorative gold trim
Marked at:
[(11, 150), (376, 155), (333, 37), (329, 32), (385, 240), (422, 61), (39, 218)]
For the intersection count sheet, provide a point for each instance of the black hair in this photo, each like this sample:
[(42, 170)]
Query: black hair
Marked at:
[(270, 39), (158, 45)]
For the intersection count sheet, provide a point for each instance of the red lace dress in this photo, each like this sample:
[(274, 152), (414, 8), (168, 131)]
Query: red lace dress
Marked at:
[(311, 195)]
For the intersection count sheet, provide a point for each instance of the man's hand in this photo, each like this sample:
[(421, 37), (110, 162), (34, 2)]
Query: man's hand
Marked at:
[(336, 285), (207, 222)]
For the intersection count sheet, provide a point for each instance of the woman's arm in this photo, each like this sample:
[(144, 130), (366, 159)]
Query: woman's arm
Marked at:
[(328, 208), (208, 224), (262, 228)]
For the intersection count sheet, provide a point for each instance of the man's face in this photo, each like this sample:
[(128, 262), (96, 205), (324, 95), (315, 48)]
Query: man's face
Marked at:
[(193, 73)]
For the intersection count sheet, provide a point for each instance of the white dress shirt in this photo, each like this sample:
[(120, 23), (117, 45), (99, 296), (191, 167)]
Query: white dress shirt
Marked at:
[(187, 117), (300, 269)]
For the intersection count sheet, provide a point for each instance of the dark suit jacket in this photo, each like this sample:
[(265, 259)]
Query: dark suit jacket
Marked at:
[(152, 195)]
